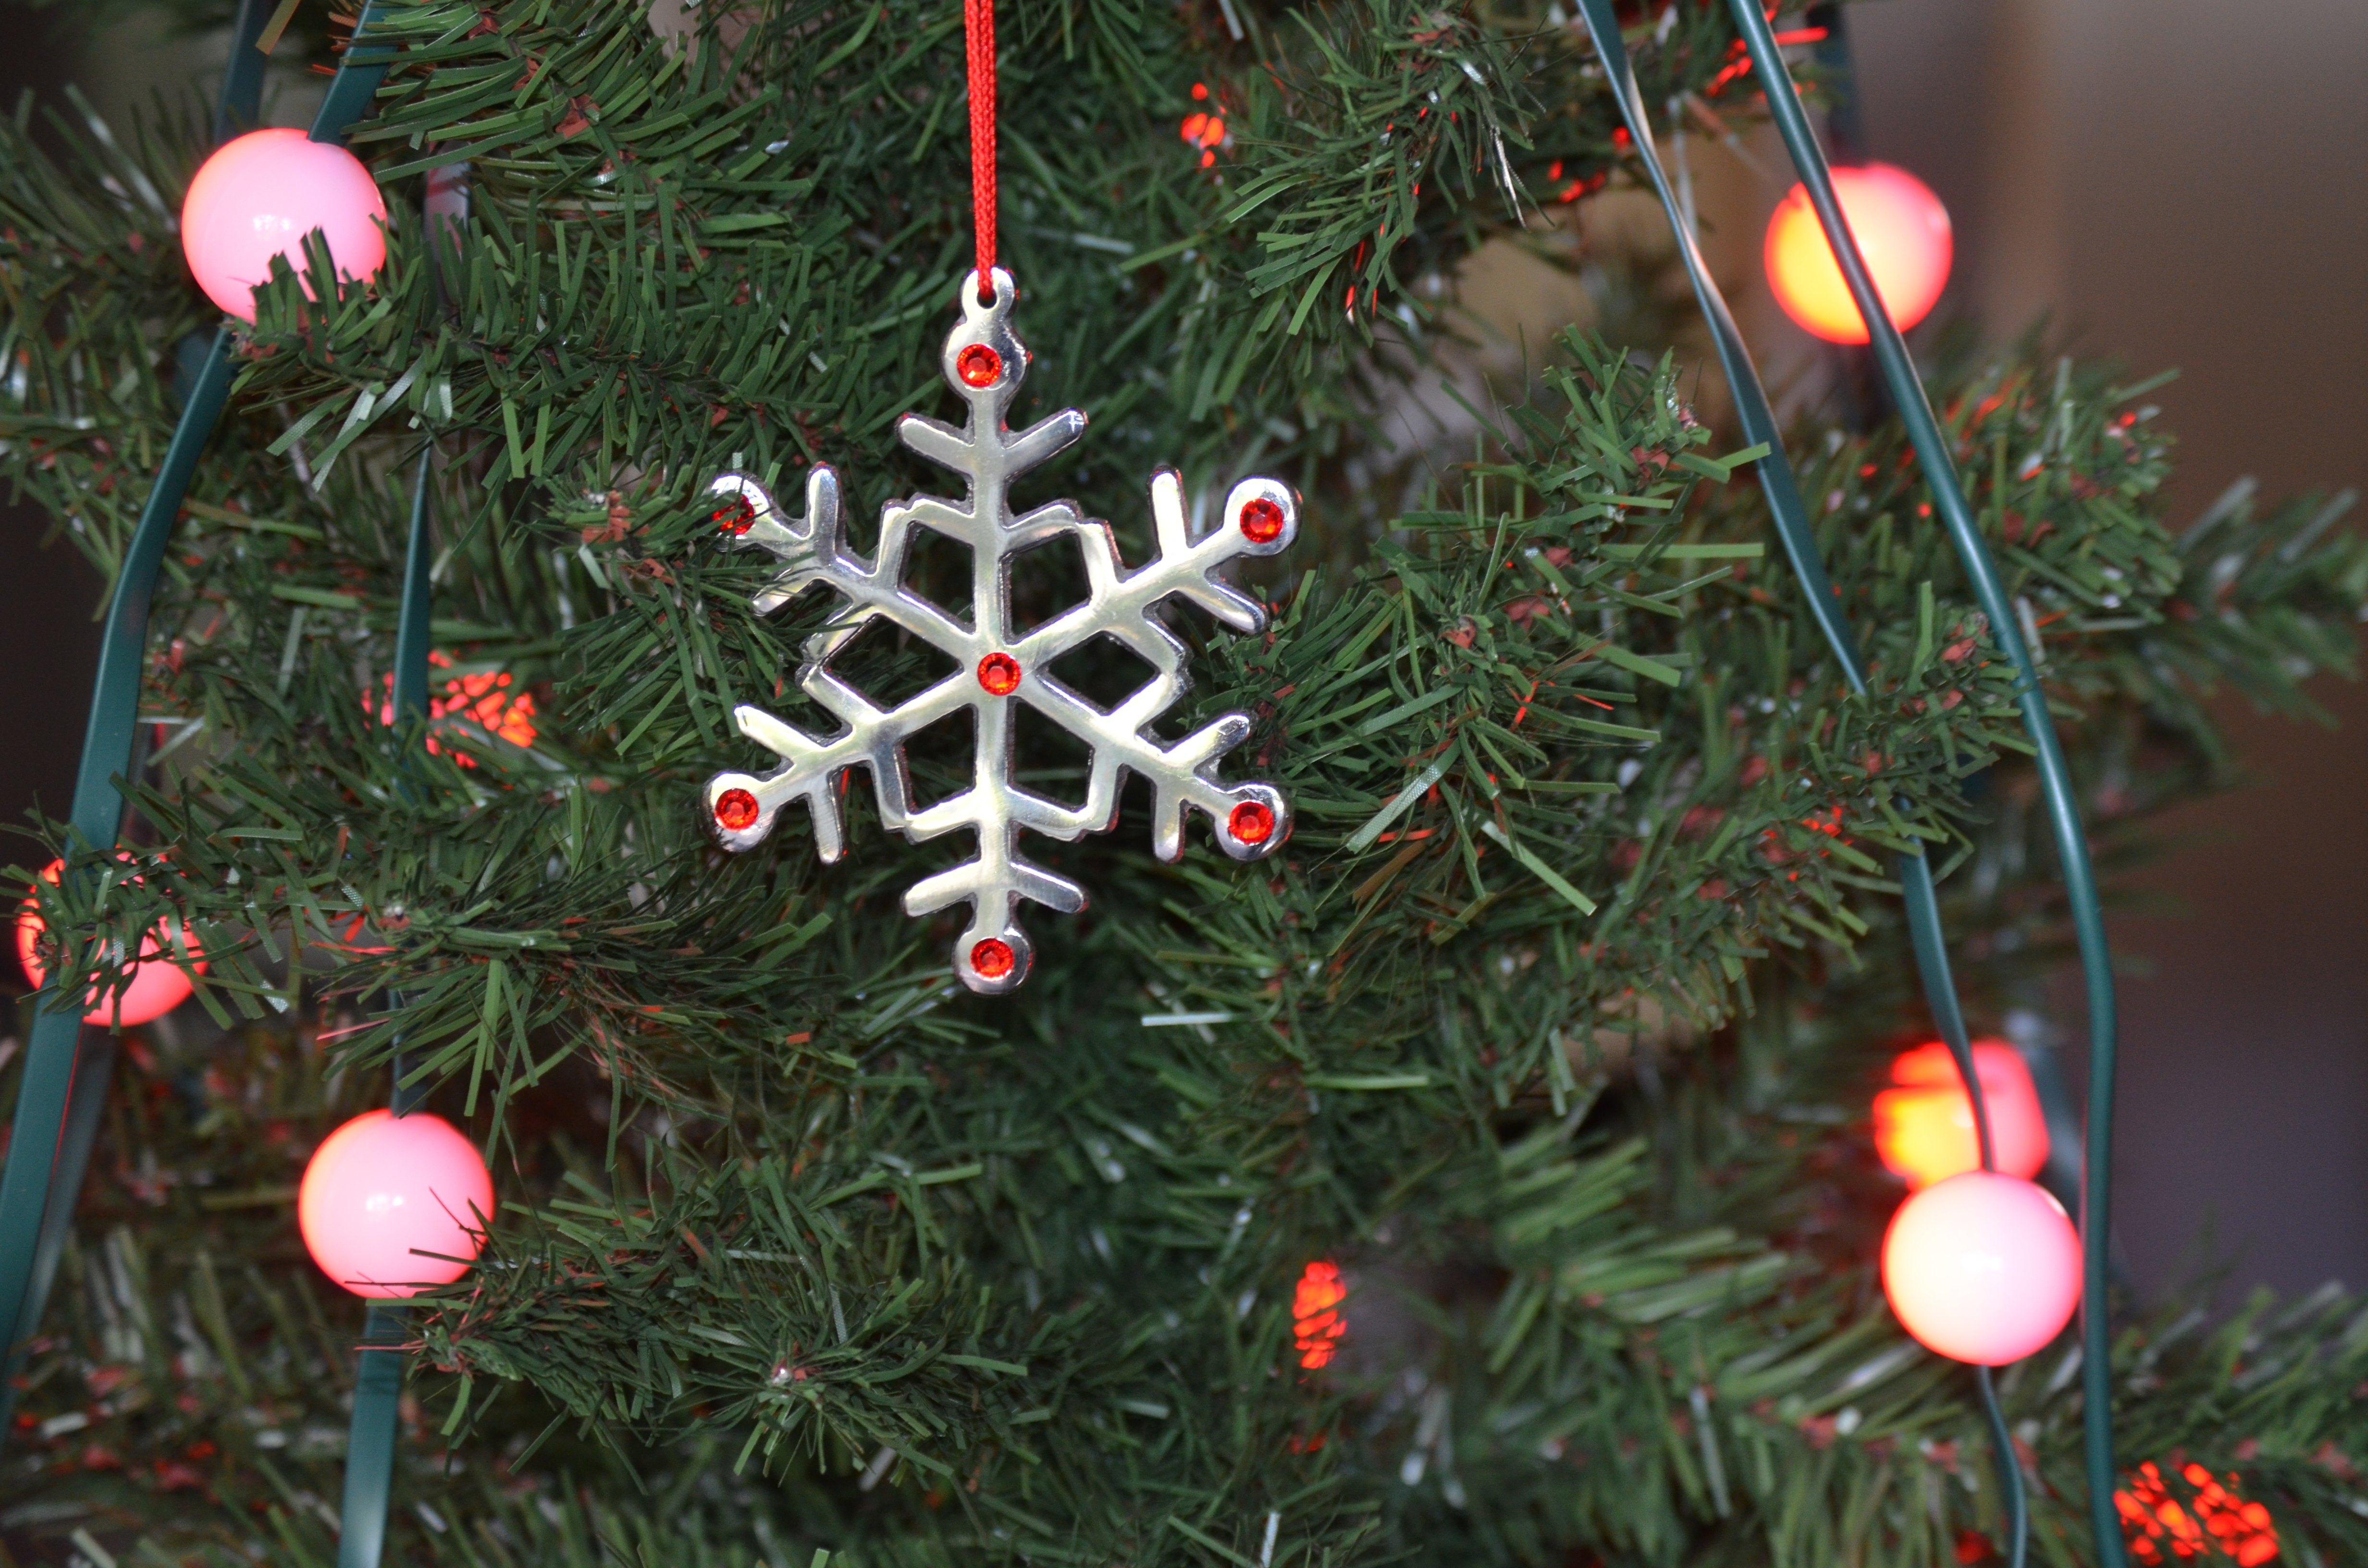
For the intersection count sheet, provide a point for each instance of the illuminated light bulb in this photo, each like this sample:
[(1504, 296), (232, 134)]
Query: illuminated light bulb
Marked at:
[(259, 195), (1982, 1267), (1924, 1128), (158, 986), (381, 1190), (1903, 232), (1316, 1320)]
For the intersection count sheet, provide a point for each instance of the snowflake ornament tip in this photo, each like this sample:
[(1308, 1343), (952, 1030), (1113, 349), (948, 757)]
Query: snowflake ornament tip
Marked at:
[(999, 665)]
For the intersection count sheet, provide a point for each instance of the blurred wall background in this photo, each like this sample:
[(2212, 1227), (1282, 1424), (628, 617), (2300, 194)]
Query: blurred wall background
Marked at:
[(2178, 182), (47, 597)]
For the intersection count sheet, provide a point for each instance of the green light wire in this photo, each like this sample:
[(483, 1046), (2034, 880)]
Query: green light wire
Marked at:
[(378, 1382), (2056, 779), (67, 1066), (1800, 545), (371, 1439), (64, 1081)]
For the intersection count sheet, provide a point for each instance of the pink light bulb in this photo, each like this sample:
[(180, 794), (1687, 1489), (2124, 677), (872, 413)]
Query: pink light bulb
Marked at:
[(158, 986), (1982, 1267), (259, 195), (382, 1189), (1901, 230)]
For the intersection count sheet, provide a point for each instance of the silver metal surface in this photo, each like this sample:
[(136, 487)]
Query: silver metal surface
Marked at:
[(813, 550)]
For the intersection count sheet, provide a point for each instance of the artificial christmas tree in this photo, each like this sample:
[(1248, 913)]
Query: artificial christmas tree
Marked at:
[(1549, 1033)]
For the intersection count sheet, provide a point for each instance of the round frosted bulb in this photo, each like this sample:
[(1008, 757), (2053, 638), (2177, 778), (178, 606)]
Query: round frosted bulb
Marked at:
[(382, 1190), (1903, 232), (1982, 1267), (158, 986), (259, 195)]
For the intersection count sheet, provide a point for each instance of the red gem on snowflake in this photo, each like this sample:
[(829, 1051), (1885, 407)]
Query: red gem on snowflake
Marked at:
[(992, 959), (999, 673), (735, 516), (1251, 822), (1261, 521), (735, 808), (979, 366)]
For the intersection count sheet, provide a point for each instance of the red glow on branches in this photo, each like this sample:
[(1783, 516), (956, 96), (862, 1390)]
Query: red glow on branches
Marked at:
[(2216, 1525), (1315, 1317), (483, 697), (1204, 129)]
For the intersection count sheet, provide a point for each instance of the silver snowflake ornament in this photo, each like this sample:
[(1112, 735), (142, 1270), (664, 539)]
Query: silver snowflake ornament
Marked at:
[(999, 665)]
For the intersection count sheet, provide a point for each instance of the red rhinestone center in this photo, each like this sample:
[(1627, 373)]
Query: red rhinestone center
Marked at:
[(992, 959), (1251, 822), (736, 810), (736, 517), (1261, 521), (999, 673), (979, 366)]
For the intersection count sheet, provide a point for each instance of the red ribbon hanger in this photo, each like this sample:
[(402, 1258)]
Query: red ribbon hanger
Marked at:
[(978, 27)]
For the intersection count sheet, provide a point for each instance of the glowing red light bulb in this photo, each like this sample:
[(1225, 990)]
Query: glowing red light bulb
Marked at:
[(1924, 1127), (158, 986), (1982, 1267), (382, 1191), (1903, 232), (258, 197)]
